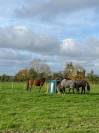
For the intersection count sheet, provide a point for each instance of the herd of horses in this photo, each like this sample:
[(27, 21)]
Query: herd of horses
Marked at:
[(80, 86)]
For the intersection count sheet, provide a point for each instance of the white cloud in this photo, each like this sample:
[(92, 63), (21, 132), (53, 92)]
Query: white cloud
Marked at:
[(51, 9), (68, 45), (19, 37), (19, 45), (11, 54)]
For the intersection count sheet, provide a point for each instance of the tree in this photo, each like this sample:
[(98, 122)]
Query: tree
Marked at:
[(39, 66), (57, 75), (4, 77), (22, 75), (72, 71), (32, 74), (93, 77), (68, 69)]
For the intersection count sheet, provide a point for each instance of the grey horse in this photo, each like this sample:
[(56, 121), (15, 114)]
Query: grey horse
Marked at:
[(66, 84)]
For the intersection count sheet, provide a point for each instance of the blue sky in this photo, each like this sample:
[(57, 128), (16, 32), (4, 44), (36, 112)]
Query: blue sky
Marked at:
[(58, 31)]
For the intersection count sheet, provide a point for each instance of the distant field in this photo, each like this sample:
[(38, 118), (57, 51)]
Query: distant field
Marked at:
[(38, 112)]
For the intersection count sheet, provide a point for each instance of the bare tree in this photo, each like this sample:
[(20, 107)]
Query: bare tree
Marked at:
[(40, 66)]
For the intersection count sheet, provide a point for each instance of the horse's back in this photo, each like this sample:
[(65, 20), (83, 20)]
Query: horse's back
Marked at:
[(39, 82), (68, 83)]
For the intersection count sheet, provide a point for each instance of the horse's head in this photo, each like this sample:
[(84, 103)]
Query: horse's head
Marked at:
[(43, 79)]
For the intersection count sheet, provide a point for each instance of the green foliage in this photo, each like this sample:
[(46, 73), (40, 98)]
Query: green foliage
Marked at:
[(93, 78), (73, 71), (22, 75), (57, 75), (5, 77), (38, 112), (32, 74)]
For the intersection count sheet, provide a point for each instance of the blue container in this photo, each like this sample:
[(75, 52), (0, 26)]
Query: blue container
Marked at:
[(52, 86)]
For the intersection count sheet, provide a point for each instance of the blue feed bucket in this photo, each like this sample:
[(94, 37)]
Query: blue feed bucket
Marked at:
[(52, 86)]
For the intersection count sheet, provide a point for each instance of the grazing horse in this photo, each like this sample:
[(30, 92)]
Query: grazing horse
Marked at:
[(83, 84), (64, 84), (73, 84), (35, 82)]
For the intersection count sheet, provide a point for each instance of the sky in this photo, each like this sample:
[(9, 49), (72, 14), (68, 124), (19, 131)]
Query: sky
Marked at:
[(56, 31)]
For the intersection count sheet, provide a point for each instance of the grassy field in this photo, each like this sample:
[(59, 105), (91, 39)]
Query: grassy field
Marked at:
[(38, 112)]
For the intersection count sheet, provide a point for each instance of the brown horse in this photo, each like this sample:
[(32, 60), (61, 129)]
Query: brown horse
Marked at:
[(83, 84), (35, 82)]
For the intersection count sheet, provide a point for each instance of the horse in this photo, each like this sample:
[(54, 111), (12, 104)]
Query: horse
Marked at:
[(35, 82), (74, 85), (66, 84), (83, 84)]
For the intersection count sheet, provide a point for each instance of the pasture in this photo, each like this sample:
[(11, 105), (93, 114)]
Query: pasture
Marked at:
[(38, 112)]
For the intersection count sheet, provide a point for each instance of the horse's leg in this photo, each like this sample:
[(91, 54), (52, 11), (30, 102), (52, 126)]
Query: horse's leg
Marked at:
[(84, 89), (77, 88), (63, 89), (73, 90), (27, 88), (58, 88), (69, 90), (33, 86), (81, 90), (30, 87), (40, 87)]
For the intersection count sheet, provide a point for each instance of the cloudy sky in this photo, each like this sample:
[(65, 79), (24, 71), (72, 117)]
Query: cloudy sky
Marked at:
[(57, 31)]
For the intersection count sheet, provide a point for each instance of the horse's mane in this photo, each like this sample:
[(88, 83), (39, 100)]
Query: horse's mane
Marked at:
[(67, 78)]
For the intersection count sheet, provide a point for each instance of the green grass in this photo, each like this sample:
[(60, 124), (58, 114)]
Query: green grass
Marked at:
[(38, 112)]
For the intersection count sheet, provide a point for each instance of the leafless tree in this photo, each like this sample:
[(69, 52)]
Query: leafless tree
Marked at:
[(40, 66)]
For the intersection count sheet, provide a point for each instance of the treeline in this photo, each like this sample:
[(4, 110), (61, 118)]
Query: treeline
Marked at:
[(6, 77), (93, 78), (31, 74), (19, 77), (39, 69)]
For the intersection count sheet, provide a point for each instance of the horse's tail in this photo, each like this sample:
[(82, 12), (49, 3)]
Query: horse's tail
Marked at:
[(88, 86)]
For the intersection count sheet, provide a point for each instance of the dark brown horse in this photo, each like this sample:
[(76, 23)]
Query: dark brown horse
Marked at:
[(83, 84), (35, 82)]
